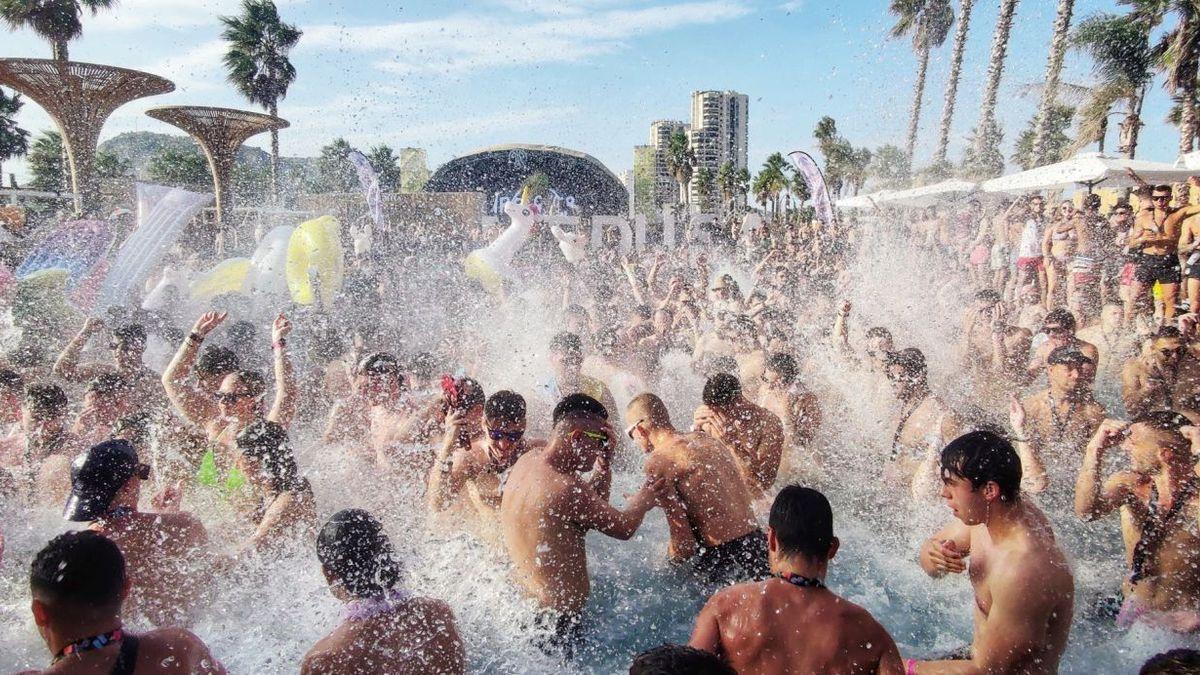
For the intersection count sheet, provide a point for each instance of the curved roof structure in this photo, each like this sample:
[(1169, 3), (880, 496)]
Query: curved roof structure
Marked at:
[(579, 181)]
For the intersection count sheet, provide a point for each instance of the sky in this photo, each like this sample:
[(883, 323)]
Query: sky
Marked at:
[(591, 75)]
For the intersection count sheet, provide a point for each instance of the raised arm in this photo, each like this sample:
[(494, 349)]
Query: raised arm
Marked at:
[(634, 283), (841, 334), (67, 366), (192, 403), (451, 469), (1094, 499), (1033, 470), (286, 388), (591, 512)]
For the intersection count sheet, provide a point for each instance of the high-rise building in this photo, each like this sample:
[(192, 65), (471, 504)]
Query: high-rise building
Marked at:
[(643, 190), (414, 169), (718, 133), (666, 190)]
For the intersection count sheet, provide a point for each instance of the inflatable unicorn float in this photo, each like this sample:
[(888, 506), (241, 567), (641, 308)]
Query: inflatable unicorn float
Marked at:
[(492, 264)]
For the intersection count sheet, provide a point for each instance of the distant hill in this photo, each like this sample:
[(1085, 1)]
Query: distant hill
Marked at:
[(139, 147)]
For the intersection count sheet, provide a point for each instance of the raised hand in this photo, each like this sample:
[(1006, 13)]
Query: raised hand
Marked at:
[(281, 328), (208, 322)]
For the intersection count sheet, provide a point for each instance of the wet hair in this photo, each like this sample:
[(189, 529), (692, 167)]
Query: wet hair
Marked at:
[(802, 521), (267, 442), (678, 660), (354, 550), (721, 389), (11, 381), (785, 365), (130, 335), (252, 381), (241, 333), (722, 364), (1167, 333), (988, 295), (108, 384), (217, 361), (566, 343), (1067, 356), (577, 404), (1173, 662), (982, 457), (422, 365), (505, 406), (378, 363), (1061, 316), (46, 400), (1091, 200), (1161, 188), (912, 360), (79, 571), (27, 355), (470, 393), (879, 332), (1122, 204)]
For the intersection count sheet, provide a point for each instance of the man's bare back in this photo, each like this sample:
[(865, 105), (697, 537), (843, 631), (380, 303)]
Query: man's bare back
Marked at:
[(419, 637)]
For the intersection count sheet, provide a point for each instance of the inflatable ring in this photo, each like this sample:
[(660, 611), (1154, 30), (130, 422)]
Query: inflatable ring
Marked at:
[(314, 261), (227, 276)]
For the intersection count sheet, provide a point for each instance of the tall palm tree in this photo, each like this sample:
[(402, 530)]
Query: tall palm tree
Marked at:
[(987, 130), (928, 22), (706, 188), (14, 141), (727, 183), (742, 181), (951, 98), (54, 20), (680, 161), (1178, 53), (1123, 63), (1058, 50), (257, 61), (775, 180)]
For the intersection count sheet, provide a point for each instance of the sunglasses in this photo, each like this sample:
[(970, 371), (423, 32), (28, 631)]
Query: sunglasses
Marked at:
[(1160, 197), (230, 396), (511, 436), (594, 435), (635, 425)]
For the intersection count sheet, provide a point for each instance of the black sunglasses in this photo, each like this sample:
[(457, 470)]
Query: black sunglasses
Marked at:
[(230, 396), (511, 436)]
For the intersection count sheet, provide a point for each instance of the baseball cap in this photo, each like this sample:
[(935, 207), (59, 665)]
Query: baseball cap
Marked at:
[(97, 474)]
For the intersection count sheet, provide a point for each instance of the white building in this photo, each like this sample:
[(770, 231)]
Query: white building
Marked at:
[(719, 131), (666, 190)]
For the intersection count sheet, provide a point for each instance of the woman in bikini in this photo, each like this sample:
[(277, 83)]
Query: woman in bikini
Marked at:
[(1058, 248)]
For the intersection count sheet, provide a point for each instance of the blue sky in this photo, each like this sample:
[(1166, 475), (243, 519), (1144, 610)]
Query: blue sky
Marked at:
[(585, 74)]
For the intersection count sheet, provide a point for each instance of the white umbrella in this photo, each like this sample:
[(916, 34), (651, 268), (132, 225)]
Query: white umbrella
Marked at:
[(1190, 160), (862, 201), (1087, 169), (928, 195)]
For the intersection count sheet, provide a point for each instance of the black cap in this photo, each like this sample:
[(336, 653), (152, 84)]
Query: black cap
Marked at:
[(97, 474)]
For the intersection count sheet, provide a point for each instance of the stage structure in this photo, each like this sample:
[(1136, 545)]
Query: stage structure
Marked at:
[(79, 97)]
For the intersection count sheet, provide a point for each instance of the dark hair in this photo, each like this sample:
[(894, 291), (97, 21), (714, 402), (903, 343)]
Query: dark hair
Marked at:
[(379, 363), (721, 389), (1165, 420), (134, 428), (988, 295), (505, 406), (643, 312), (802, 521), (217, 361), (785, 365), (45, 399), (1092, 199), (1165, 332), (354, 549), (11, 381), (129, 335), (80, 570), (1161, 188), (470, 393), (422, 365), (982, 457), (241, 333), (1061, 316), (566, 342), (678, 660), (253, 381), (912, 360), (722, 364), (577, 404), (1068, 355), (267, 442), (1174, 662), (879, 332), (108, 384)]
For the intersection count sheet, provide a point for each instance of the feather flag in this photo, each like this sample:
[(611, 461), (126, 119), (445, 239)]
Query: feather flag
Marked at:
[(370, 185), (807, 167)]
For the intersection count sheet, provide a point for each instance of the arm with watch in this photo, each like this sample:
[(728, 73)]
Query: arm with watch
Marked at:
[(187, 398), (447, 477)]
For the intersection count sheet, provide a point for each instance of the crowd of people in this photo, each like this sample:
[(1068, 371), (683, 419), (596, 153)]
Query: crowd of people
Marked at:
[(503, 417)]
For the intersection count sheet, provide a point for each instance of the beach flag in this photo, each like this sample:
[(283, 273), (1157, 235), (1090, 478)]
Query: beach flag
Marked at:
[(370, 185), (816, 184)]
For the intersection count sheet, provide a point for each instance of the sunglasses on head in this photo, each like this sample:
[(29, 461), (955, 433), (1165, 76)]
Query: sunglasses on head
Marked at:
[(511, 436)]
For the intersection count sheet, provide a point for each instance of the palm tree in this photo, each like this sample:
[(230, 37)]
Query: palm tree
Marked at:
[(706, 187), (53, 20), (1058, 49), (727, 183), (1178, 53), (1122, 62), (680, 160), (988, 130), (742, 184), (761, 187), (257, 61), (14, 141), (928, 22), (951, 98), (774, 179)]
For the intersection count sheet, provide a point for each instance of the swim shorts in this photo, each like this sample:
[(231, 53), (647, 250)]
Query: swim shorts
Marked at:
[(558, 634), (1161, 268), (1191, 269), (1035, 264), (735, 561)]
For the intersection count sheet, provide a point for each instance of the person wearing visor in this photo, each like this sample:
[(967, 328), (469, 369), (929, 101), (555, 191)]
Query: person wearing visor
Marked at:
[(163, 549), (128, 346), (478, 463), (548, 508)]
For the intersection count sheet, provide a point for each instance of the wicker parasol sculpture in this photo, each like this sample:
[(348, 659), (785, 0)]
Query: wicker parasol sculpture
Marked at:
[(220, 132), (79, 97)]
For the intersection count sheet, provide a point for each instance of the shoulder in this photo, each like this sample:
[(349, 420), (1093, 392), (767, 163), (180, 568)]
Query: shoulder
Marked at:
[(175, 641)]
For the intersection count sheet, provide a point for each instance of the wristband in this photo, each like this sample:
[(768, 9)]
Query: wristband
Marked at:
[(196, 337), (279, 345), (910, 667)]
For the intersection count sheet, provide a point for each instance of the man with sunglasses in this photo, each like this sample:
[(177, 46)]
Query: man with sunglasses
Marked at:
[(1154, 241), (128, 345), (1164, 377), (548, 508), (478, 463), (162, 549), (1059, 329)]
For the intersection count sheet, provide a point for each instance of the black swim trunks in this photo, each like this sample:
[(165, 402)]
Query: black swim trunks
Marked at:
[(558, 634), (742, 559), (1161, 268)]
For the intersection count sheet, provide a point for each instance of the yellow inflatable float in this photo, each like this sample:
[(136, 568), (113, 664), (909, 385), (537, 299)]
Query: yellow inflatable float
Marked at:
[(227, 276), (314, 261)]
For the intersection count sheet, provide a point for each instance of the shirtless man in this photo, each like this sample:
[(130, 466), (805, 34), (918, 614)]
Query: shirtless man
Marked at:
[(476, 462), (750, 355), (1154, 242), (793, 623), (1164, 377), (1159, 500), (923, 422), (751, 432), (1024, 590), (106, 399), (566, 366), (995, 353), (163, 550), (128, 346), (547, 510), (1114, 345), (43, 467), (798, 408), (384, 629), (78, 583), (708, 507), (878, 344), (1053, 425), (1059, 327)]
